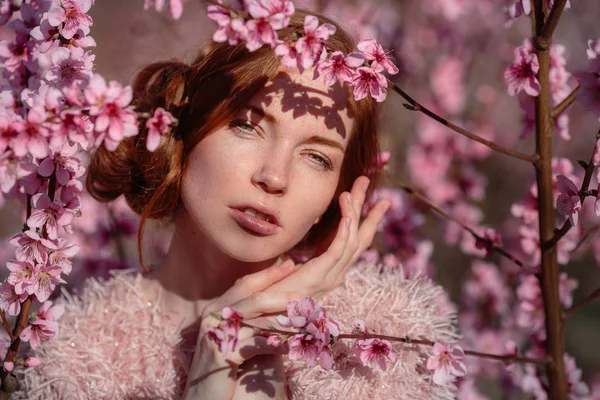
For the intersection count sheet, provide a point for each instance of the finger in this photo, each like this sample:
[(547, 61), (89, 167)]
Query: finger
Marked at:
[(251, 283), (261, 303), (369, 226), (359, 193)]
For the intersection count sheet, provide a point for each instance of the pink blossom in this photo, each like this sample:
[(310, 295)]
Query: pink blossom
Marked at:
[(358, 326), (374, 350), (10, 301), (14, 169), (73, 14), (175, 6), (21, 273), (380, 60), (446, 362), (593, 50), (268, 17), (304, 346), (447, 83), (231, 29), (288, 55), (339, 67), (43, 282), (527, 208), (62, 163), (8, 366), (32, 362), (33, 137), (61, 255), (369, 82), (48, 214), (274, 340), (568, 202), (521, 75), (486, 289), (31, 247), (310, 47), (108, 106), (158, 125), (300, 313), (49, 312), (68, 66), (578, 390), (39, 331)]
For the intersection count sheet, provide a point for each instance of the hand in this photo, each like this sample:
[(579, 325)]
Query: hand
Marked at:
[(323, 273), (212, 374)]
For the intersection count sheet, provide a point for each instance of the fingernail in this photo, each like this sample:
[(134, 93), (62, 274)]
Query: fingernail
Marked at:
[(349, 198), (286, 264), (348, 222)]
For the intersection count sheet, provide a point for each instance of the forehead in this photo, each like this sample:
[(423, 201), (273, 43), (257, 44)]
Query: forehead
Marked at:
[(307, 103)]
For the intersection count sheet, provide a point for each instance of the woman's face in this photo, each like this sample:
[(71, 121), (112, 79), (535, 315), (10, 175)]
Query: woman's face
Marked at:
[(254, 188)]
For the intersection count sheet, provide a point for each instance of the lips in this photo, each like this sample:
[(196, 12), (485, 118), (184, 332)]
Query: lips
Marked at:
[(256, 218)]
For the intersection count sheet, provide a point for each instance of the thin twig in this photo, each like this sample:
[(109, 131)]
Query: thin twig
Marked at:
[(591, 297), (437, 209), (415, 106), (6, 325), (586, 236), (409, 340), (562, 106)]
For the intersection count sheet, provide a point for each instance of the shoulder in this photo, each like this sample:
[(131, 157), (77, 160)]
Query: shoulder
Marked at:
[(390, 304), (112, 340)]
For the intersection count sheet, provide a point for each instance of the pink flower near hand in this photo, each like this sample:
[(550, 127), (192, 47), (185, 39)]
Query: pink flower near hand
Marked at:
[(369, 82), (73, 14), (374, 350), (305, 347), (158, 125), (274, 340), (310, 47), (446, 363), (568, 202), (521, 75), (226, 334), (380, 60), (300, 313), (339, 67), (112, 120)]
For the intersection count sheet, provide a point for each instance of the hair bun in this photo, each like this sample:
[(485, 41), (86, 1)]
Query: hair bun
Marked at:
[(125, 171)]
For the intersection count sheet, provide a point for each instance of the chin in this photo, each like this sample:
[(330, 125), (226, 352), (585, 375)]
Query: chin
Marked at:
[(251, 248)]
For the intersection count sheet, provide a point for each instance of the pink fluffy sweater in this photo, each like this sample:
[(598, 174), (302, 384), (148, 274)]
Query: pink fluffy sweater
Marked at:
[(114, 344)]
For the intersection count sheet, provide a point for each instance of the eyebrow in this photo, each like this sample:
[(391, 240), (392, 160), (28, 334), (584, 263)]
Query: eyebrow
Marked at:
[(261, 113), (327, 142)]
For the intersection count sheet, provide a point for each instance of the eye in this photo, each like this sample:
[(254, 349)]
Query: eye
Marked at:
[(243, 127), (322, 160)]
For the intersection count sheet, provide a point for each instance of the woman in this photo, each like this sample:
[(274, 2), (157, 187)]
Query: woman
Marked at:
[(267, 167)]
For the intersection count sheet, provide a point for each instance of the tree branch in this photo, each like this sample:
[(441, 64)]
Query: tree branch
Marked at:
[(413, 105), (410, 190), (562, 106), (591, 297), (6, 325), (552, 21)]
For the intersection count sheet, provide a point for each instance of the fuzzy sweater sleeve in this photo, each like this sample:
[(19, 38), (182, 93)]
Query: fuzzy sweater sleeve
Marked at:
[(390, 305), (112, 344)]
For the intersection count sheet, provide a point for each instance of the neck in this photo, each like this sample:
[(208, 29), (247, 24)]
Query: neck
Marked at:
[(195, 271)]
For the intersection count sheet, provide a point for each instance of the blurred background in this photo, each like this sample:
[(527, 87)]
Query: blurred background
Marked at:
[(452, 55)]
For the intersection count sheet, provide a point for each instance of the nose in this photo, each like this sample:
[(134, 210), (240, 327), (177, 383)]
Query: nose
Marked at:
[(272, 176)]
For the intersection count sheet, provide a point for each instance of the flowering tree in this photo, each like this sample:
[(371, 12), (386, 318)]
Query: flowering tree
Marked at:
[(55, 110)]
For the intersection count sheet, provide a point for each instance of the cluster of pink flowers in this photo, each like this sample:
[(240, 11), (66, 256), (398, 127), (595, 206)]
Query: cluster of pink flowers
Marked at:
[(256, 24), (316, 333), (522, 81), (53, 108)]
